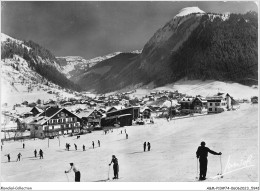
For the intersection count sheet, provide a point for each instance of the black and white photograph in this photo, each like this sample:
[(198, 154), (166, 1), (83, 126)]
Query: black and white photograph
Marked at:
[(129, 95)]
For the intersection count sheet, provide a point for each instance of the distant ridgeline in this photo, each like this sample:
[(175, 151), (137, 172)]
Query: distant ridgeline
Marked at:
[(201, 46), (39, 59)]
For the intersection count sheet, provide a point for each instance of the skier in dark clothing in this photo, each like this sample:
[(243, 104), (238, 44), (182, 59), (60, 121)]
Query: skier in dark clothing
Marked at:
[(98, 143), (23, 145), (18, 157), (115, 166), (202, 154), (75, 146), (126, 136), (35, 153), (144, 146), (41, 154), (8, 156), (84, 148), (93, 144), (76, 170), (149, 146), (68, 146)]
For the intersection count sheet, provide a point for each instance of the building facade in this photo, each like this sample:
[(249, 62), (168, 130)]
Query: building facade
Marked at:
[(54, 122)]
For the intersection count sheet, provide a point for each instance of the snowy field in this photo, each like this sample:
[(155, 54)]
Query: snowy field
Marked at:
[(203, 88), (171, 159)]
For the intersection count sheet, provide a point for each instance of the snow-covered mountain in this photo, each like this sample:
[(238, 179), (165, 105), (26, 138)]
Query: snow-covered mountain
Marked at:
[(26, 63), (73, 66), (193, 45)]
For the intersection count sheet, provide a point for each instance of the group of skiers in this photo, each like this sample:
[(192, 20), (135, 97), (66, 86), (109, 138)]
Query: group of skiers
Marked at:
[(19, 155), (40, 154), (148, 146), (93, 144), (83, 147), (78, 175)]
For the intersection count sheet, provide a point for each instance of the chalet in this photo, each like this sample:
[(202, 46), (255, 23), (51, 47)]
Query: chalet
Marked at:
[(122, 117), (254, 99), (54, 121), (145, 112), (199, 104), (92, 117), (25, 103), (186, 104), (35, 110), (219, 103), (115, 108)]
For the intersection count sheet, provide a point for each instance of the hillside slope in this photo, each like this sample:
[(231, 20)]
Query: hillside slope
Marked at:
[(193, 45), (38, 59)]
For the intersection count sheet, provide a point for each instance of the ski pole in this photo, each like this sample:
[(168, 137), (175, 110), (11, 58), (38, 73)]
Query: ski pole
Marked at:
[(67, 177), (108, 172), (197, 168), (220, 164)]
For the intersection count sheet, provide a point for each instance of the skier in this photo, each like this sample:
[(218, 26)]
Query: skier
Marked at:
[(144, 146), (18, 157), (202, 154), (1, 147), (84, 148), (35, 153), (98, 143), (8, 156), (23, 145), (121, 131), (115, 166), (126, 135), (68, 146), (76, 170), (41, 154), (149, 146), (75, 146), (93, 144), (125, 131)]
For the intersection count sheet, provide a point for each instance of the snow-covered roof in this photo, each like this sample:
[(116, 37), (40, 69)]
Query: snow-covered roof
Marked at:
[(168, 103), (21, 110), (144, 108), (189, 10), (186, 99)]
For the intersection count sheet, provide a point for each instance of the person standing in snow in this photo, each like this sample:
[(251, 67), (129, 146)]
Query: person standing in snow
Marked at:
[(84, 148), (93, 144), (115, 166), (148, 146), (144, 146), (18, 157), (35, 153), (202, 154), (98, 143), (126, 135), (68, 146), (75, 146), (23, 145), (76, 170), (8, 157), (41, 154)]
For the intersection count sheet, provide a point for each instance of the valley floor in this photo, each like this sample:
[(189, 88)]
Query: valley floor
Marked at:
[(172, 157)]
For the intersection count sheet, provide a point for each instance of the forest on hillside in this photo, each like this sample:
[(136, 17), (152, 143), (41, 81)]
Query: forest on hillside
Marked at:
[(220, 50), (45, 66)]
